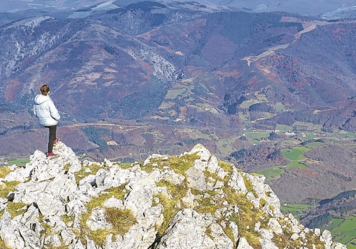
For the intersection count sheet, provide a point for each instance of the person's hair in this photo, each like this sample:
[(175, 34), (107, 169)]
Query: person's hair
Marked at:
[(44, 89)]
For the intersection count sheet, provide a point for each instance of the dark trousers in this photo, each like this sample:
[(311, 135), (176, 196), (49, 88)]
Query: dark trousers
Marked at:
[(52, 136)]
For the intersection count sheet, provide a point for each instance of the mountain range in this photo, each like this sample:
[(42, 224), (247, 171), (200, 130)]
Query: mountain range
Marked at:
[(180, 64), (159, 77), (329, 9)]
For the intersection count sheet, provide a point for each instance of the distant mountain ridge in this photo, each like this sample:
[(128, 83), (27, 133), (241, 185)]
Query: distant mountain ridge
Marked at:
[(153, 52), (328, 10)]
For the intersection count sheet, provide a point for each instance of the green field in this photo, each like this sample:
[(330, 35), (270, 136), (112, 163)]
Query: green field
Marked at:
[(344, 231), (335, 223), (284, 128), (305, 126), (19, 162), (224, 145), (271, 172), (248, 103), (260, 134), (309, 137), (347, 134), (254, 141), (295, 164), (280, 106), (314, 144), (295, 208), (295, 153), (172, 94)]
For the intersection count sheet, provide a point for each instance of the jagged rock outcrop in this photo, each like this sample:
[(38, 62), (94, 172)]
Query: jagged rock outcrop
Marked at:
[(186, 201)]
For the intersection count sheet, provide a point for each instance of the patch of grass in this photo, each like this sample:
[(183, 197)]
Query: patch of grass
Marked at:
[(208, 204), (4, 171), (284, 240), (166, 105), (170, 210), (309, 137), (272, 208), (170, 205), (181, 164), (7, 188), (271, 173), (247, 218), (248, 103), (314, 240), (249, 187), (306, 126), (228, 167), (16, 209), (347, 239), (94, 168), (280, 106), (351, 245), (67, 219), (348, 226), (172, 94), (176, 191), (100, 235), (334, 224), (3, 245), (208, 233), (348, 134), (122, 220), (314, 144), (295, 164), (252, 239), (207, 174), (155, 163), (66, 167), (178, 164), (261, 134), (126, 165), (345, 231), (284, 128), (47, 228), (263, 202), (224, 146), (295, 208), (19, 162), (254, 141), (295, 153)]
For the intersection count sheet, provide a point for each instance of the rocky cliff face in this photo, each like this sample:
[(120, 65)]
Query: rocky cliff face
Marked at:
[(187, 201)]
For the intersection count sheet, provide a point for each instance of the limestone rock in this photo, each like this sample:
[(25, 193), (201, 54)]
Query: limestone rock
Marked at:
[(196, 179), (275, 226), (97, 220), (237, 182), (243, 244), (186, 231), (114, 203), (58, 193)]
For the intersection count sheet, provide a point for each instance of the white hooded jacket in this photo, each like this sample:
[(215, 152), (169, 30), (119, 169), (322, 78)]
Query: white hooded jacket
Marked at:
[(45, 110)]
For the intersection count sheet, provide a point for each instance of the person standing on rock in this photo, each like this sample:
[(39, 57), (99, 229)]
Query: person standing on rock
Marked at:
[(47, 113)]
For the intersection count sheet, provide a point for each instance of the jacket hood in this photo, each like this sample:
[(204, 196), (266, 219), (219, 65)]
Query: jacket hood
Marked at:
[(39, 99)]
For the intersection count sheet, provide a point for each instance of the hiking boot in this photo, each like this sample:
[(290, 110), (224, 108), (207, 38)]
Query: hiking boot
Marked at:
[(56, 140), (51, 155)]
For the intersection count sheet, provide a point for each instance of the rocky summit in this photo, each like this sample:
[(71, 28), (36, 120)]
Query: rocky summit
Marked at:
[(186, 201)]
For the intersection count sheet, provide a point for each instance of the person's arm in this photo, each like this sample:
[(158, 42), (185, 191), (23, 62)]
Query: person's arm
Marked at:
[(53, 111), (34, 110)]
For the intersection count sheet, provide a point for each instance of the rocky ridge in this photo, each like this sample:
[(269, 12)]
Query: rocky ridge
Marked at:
[(186, 201)]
